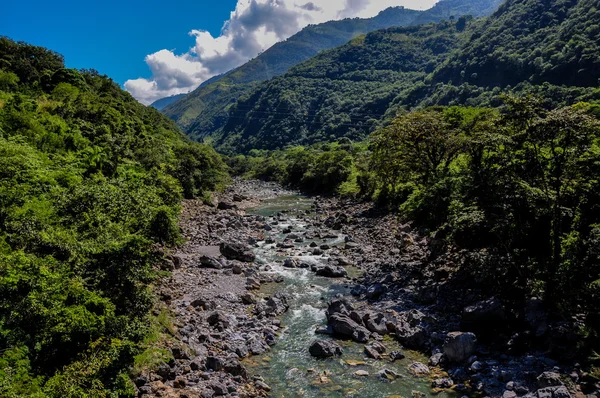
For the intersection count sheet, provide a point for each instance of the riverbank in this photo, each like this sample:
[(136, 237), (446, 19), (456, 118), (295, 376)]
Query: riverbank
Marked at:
[(411, 285)]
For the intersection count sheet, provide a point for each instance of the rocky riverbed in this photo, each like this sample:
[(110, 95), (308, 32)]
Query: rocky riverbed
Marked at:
[(267, 281)]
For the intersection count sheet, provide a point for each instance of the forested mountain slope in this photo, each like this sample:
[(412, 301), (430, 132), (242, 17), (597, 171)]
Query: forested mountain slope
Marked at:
[(204, 111), (90, 187), (164, 102), (346, 91)]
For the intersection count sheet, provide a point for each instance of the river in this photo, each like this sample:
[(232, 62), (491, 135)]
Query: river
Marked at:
[(288, 368)]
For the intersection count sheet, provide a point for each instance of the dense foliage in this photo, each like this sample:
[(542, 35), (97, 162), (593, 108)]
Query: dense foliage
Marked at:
[(343, 92), (90, 186), (547, 48), (203, 112), (515, 187)]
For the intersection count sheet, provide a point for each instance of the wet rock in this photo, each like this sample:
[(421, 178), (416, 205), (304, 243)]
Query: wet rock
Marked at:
[(419, 369), (261, 385), (325, 349), (343, 325), (443, 382), (210, 262), (239, 198), (459, 347), (436, 359), (330, 271), (278, 304), (396, 356), (371, 352), (289, 263), (237, 251), (388, 374), (361, 373)]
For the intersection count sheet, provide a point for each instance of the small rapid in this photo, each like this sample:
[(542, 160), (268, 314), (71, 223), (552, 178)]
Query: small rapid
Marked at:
[(289, 368)]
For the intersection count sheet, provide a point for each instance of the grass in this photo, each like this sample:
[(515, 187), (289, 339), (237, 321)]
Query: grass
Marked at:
[(155, 353)]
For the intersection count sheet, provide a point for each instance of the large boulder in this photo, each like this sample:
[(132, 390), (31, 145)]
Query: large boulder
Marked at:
[(325, 349), (459, 347), (412, 329), (278, 304), (339, 306), (376, 323), (484, 317), (210, 262), (345, 326), (330, 271), (236, 251)]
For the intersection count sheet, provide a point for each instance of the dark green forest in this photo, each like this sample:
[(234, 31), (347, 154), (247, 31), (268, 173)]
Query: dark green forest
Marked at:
[(90, 187), (203, 113), (515, 188), (547, 48)]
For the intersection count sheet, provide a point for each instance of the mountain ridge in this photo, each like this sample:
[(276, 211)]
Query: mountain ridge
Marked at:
[(204, 111)]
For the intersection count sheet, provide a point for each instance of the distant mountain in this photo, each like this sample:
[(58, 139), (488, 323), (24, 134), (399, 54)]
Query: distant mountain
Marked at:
[(550, 48), (204, 112), (162, 103)]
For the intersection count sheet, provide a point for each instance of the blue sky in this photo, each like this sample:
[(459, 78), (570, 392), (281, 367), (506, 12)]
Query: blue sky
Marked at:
[(160, 48), (111, 36)]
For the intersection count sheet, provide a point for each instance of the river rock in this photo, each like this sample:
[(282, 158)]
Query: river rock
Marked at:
[(226, 206), (343, 325), (376, 323), (289, 263), (459, 347), (237, 251), (443, 382), (329, 271), (325, 349), (339, 306), (419, 369), (553, 392), (411, 329), (484, 317), (549, 379), (361, 373), (388, 374), (210, 262), (396, 356), (371, 352)]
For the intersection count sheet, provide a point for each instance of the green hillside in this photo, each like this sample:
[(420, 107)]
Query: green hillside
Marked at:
[(203, 112), (90, 187), (349, 91)]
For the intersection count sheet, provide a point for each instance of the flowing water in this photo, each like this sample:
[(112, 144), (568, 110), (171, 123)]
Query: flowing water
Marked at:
[(289, 368)]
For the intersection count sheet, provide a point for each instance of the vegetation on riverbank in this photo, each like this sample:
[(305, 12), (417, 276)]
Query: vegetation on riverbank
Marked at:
[(90, 187), (514, 186)]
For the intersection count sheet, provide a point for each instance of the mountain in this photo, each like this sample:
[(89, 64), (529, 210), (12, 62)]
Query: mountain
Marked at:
[(164, 102), (204, 111), (90, 188), (547, 48)]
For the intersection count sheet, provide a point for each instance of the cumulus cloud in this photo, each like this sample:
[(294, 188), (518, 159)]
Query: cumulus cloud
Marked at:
[(253, 26)]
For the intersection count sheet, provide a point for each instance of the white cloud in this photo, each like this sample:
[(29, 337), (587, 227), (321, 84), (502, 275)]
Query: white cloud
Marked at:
[(253, 26)]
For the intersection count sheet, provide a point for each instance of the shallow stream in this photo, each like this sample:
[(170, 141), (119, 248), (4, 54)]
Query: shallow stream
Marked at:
[(289, 368)]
